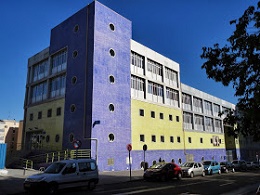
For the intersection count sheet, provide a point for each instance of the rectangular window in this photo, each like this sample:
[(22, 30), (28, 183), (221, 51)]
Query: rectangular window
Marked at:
[(172, 96), (171, 139), (186, 101), (49, 113), (59, 62), (162, 138), (40, 115), (137, 83), (154, 67), (211, 140), (189, 140), (161, 115), (208, 107), (142, 138), (177, 118), (141, 112), (137, 60), (40, 70), (201, 140), (172, 76), (153, 138), (31, 117), (197, 104), (179, 139), (39, 92), (152, 114), (58, 111), (58, 86), (155, 89), (170, 117)]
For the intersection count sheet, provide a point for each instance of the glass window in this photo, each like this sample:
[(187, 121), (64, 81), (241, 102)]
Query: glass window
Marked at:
[(137, 60), (155, 89), (171, 75), (142, 138), (154, 67), (59, 62), (58, 86), (40, 70), (141, 112), (153, 138), (137, 83), (39, 92)]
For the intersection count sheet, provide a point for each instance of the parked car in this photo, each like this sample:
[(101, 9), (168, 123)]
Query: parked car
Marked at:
[(226, 167), (163, 171), (64, 174), (191, 169), (258, 190), (255, 165), (211, 167), (239, 165), (249, 165)]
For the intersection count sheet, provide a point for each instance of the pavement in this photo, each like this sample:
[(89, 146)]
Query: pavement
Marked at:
[(11, 180)]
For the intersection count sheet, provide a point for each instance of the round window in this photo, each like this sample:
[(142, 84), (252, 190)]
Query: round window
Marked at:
[(57, 138), (111, 79), (71, 137), (111, 107), (111, 137), (75, 54), (47, 138), (112, 52), (112, 27), (72, 108), (76, 28), (74, 80)]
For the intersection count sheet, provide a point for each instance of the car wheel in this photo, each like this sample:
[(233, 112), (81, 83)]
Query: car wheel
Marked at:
[(203, 174), (219, 172), (191, 174), (91, 185), (210, 172), (179, 176), (53, 188)]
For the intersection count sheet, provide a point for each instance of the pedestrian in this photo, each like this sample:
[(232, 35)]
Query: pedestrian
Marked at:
[(160, 160)]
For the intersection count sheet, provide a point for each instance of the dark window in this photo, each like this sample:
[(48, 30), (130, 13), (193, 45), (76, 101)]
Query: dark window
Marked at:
[(189, 139), (141, 112), (40, 115), (161, 115), (171, 139), (220, 141), (142, 138), (49, 113), (201, 140), (31, 117), (111, 137), (177, 118), (162, 138), (170, 117), (152, 114), (211, 141), (179, 139), (153, 138), (58, 111)]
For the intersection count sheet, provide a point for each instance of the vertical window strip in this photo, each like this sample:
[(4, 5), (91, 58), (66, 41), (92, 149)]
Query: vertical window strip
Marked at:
[(154, 67), (137, 60), (155, 89), (137, 83)]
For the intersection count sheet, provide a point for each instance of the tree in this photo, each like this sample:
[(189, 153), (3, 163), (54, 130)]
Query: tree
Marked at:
[(238, 64)]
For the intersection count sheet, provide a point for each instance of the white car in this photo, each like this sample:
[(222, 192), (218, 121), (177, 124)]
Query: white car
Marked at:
[(64, 174), (192, 169)]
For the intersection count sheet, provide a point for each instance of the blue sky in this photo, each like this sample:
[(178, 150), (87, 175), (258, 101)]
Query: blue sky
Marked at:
[(178, 29)]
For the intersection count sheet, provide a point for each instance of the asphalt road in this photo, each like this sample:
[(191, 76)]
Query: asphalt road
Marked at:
[(243, 183)]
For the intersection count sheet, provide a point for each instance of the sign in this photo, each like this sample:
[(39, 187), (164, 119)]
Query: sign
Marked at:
[(129, 147), (77, 144)]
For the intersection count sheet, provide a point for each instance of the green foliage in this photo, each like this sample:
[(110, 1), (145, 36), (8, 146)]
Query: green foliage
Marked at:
[(238, 63)]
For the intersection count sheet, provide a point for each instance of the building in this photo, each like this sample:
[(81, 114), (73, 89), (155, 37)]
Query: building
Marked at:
[(97, 85)]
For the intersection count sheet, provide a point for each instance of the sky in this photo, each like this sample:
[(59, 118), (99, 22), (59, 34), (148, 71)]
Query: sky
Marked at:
[(177, 29)]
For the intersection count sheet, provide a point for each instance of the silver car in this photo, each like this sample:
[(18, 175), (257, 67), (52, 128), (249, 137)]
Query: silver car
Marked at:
[(191, 169)]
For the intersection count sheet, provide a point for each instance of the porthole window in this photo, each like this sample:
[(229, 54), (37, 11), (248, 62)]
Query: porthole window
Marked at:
[(74, 80), (57, 138), (112, 52), (47, 138), (72, 108), (111, 107), (76, 28), (111, 137), (111, 79), (71, 137), (112, 27), (75, 54)]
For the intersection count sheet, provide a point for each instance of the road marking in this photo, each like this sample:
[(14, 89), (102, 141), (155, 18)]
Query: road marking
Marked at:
[(226, 184)]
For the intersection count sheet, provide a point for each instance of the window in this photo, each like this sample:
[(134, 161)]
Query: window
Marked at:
[(111, 79), (71, 168), (58, 111), (197, 104), (40, 70), (87, 166), (49, 113), (39, 92), (171, 139), (137, 83), (112, 27), (179, 139), (31, 117), (187, 120), (72, 108), (153, 138), (186, 101), (111, 137), (141, 112), (112, 52), (152, 114), (40, 115), (142, 138), (201, 140), (189, 139), (172, 76), (177, 118), (170, 117), (111, 107), (155, 89), (58, 86), (216, 109), (154, 67), (199, 122), (137, 60), (209, 124), (161, 115), (162, 138), (173, 96), (59, 62), (57, 138), (208, 107)]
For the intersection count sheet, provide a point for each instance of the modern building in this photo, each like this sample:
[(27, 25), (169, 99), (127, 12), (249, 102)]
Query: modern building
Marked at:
[(97, 85)]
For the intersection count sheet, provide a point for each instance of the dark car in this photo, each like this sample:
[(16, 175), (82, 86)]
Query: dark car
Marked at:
[(226, 167), (163, 171), (239, 165)]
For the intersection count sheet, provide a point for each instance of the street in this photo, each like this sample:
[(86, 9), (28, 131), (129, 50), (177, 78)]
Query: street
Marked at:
[(226, 183)]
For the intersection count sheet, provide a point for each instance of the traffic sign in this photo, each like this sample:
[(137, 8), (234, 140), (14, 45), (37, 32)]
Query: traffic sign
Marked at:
[(129, 147)]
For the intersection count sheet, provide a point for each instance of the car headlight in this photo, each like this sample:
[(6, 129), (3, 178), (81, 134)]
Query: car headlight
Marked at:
[(35, 179)]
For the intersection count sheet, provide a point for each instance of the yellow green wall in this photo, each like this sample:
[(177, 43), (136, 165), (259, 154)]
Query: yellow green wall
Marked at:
[(51, 125), (149, 126)]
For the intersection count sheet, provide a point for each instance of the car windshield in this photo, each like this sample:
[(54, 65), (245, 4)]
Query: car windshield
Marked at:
[(55, 168), (207, 163), (157, 166), (223, 163), (187, 164)]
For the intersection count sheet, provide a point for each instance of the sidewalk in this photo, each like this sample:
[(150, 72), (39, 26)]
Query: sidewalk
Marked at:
[(11, 180)]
